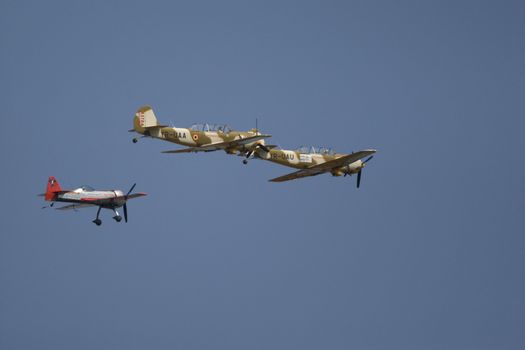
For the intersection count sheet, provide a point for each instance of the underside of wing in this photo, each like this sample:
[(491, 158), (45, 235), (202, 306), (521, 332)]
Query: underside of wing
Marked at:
[(75, 206), (298, 174), (220, 145), (186, 150)]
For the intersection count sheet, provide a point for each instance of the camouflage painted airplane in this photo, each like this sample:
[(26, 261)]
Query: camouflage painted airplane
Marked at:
[(199, 137), (316, 160), (86, 196)]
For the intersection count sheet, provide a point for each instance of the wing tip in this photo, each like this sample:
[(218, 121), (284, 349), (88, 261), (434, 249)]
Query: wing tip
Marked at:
[(182, 150), (136, 195), (279, 179), (173, 151)]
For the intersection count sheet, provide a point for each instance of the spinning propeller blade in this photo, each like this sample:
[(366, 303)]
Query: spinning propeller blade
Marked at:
[(263, 147), (125, 206), (359, 173), (131, 189)]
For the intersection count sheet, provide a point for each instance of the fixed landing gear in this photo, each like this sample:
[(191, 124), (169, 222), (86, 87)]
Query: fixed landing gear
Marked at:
[(135, 140), (117, 216), (248, 155), (97, 221)]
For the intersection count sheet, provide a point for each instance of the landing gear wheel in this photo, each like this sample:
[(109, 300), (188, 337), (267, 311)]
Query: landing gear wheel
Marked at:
[(135, 140), (245, 161), (117, 218), (97, 222)]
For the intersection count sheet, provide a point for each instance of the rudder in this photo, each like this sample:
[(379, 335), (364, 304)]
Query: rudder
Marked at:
[(144, 118), (52, 187)]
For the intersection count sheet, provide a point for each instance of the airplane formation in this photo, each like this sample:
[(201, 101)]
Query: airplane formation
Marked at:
[(310, 161)]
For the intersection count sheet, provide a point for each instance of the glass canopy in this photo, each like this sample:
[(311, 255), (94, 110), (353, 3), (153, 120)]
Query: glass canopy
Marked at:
[(211, 127), (315, 150)]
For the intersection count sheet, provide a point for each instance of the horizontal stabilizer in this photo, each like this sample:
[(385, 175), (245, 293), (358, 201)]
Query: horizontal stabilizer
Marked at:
[(155, 127), (150, 128)]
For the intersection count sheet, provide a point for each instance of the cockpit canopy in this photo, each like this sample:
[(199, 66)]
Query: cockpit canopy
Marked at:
[(315, 150), (211, 127), (85, 188)]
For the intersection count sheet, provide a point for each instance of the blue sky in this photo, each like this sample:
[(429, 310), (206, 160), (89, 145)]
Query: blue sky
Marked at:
[(427, 254)]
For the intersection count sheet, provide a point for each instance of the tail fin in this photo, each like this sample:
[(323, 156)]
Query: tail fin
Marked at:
[(144, 118), (52, 188)]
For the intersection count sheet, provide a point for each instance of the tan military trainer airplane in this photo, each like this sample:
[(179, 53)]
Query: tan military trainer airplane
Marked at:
[(199, 137), (316, 160), (86, 196)]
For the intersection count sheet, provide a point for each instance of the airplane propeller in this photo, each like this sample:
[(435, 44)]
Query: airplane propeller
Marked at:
[(252, 152), (263, 147), (359, 173), (367, 159), (125, 206)]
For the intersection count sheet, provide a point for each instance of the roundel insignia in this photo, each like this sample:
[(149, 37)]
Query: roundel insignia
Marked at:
[(195, 137)]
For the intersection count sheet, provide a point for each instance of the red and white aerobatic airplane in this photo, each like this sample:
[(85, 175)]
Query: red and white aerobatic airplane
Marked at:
[(86, 196)]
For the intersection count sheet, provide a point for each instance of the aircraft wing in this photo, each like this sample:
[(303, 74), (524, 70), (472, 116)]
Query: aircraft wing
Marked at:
[(298, 174), (104, 201), (135, 195), (75, 206), (325, 167), (220, 145), (187, 150)]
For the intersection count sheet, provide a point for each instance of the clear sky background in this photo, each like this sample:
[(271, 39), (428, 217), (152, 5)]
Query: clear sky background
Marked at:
[(428, 254)]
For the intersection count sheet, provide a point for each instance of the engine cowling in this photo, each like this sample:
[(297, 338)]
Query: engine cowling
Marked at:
[(355, 167)]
